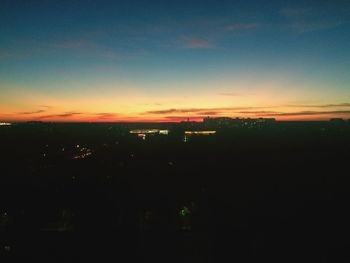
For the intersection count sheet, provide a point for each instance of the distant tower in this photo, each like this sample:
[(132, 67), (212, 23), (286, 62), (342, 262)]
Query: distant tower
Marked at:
[(188, 119)]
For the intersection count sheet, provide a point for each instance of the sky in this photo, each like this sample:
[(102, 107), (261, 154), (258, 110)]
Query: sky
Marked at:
[(103, 60)]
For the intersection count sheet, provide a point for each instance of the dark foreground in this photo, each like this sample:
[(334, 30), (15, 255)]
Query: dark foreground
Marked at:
[(77, 192)]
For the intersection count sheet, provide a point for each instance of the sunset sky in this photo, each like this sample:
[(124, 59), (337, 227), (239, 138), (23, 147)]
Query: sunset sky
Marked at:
[(84, 60)]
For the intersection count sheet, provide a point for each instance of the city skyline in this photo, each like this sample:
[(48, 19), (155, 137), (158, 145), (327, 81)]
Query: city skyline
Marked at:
[(168, 61)]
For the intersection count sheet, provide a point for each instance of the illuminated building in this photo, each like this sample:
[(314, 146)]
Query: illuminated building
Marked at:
[(188, 134), (144, 131), (199, 132), (149, 131), (164, 132), (218, 121), (237, 122), (5, 124)]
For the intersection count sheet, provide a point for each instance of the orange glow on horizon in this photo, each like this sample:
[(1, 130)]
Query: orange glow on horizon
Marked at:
[(320, 117)]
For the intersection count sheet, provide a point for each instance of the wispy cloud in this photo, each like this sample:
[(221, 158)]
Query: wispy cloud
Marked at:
[(85, 47), (259, 111), (82, 47), (185, 118), (61, 115), (241, 26), (307, 113), (202, 110), (259, 114), (197, 43), (45, 106), (106, 115), (309, 26), (207, 113), (169, 111), (339, 105), (293, 12), (99, 115), (303, 20), (31, 112)]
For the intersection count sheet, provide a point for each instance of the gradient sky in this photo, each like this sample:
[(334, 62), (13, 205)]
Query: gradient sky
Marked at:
[(84, 60)]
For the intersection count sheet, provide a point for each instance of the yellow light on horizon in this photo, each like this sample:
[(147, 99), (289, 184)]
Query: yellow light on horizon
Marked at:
[(144, 131), (164, 132), (200, 132)]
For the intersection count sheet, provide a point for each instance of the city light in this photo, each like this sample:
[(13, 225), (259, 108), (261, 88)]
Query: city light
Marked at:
[(83, 153), (142, 136), (149, 131), (185, 138), (164, 132), (200, 132), (144, 131), (184, 211), (5, 124)]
